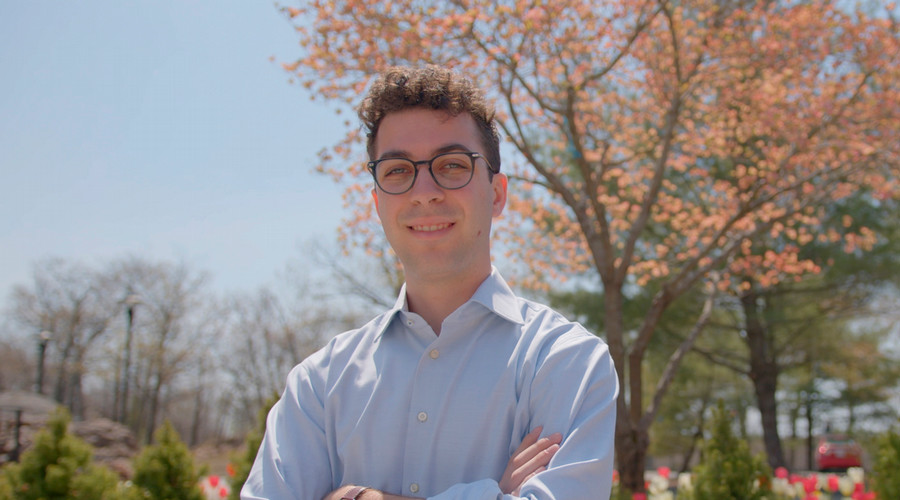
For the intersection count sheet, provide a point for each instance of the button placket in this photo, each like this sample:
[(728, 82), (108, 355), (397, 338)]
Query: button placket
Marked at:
[(423, 399)]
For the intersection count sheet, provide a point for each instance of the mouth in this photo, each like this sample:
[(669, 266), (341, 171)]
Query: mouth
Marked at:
[(430, 228)]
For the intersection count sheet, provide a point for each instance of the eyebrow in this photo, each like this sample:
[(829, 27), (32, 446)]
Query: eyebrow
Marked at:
[(398, 153)]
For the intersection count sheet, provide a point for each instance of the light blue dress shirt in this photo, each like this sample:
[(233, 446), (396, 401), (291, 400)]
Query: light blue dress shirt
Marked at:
[(395, 407)]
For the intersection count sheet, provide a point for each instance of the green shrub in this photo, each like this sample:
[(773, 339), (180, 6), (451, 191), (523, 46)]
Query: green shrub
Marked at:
[(58, 466), (165, 470), (727, 469), (885, 478)]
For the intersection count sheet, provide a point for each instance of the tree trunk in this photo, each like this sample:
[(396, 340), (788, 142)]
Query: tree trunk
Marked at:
[(76, 396), (765, 387), (764, 375), (795, 415), (698, 436), (198, 414), (60, 392), (631, 455), (154, 408), (810, 444)]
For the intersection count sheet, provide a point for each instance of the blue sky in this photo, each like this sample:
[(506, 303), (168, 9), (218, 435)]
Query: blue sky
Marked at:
[(160, 129)]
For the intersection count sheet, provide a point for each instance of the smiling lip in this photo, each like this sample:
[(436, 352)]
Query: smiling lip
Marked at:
[(430, 228)]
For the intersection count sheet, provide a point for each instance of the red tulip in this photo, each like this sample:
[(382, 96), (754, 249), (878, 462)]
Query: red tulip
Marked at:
[(810, 483), (833, 483)]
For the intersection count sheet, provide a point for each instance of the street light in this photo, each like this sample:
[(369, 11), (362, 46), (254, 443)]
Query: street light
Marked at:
[(131, 302), (43, 339)]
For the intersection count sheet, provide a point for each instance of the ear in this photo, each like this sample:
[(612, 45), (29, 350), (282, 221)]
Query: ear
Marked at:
[(499, 186), (375, 198)]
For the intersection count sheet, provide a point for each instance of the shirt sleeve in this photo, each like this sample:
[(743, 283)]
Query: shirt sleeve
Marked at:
[(573, 392), (292, 461)]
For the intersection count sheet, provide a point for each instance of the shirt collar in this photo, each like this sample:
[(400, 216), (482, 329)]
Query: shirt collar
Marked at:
[(493, 293), (384, 320), (496, 295)]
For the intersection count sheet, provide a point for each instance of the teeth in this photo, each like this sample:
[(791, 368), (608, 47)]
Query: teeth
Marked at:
[(433, 227)]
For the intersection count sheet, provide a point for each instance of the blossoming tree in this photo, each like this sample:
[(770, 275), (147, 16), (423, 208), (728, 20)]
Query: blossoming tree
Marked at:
[(660, 143)]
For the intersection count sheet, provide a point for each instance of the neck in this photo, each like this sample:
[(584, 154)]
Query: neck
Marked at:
[(434, 299)]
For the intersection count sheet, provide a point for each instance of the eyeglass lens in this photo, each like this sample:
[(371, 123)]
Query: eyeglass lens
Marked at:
[(450, 171)]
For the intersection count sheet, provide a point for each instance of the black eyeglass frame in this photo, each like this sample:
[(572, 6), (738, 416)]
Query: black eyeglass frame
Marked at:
[(473, 156)]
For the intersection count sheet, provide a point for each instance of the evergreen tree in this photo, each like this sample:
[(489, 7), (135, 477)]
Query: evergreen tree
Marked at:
[(727, 469), (887, 463), (58, 466), (244, 462), (165, 470)]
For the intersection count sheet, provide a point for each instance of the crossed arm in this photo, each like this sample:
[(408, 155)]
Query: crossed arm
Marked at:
[(529, 459)]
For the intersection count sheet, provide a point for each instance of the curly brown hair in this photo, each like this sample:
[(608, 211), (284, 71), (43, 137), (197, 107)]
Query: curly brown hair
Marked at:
[(430, 87)]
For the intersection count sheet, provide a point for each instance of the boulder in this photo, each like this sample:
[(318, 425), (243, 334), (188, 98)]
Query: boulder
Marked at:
[(114, 444)]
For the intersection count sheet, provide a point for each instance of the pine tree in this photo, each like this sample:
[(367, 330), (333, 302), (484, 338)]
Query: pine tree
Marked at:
[(165, 470), (727, 469), (887, 463), (58, 466)]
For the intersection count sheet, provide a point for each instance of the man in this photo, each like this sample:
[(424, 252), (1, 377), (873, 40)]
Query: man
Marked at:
[(447, 394)]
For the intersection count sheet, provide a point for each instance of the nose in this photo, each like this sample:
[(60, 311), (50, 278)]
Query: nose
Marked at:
[(425, 189)]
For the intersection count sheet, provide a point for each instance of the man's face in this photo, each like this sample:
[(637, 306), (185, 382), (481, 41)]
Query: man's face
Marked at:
[(438, 233)]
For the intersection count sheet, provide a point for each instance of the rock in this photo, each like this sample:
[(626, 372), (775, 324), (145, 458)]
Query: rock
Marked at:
[(31, 410), (114, 444), (29, 402)]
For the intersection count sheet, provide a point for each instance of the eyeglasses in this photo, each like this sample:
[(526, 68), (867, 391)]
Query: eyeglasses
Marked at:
[(449, 170)]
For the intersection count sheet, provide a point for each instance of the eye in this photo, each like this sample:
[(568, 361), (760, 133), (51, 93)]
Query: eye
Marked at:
[(453, 164), (395, 169)]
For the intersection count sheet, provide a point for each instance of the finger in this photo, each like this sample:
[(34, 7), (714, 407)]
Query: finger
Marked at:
[(521, 454), (543, 449), (541, 459), (532, 455), (531, 464), (531, 447), (525, 479), (529, 439)]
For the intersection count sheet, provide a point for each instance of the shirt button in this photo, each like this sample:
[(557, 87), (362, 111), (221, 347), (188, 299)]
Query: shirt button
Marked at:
[(422, 416), (434, 353), (409, 322), (414, 488)]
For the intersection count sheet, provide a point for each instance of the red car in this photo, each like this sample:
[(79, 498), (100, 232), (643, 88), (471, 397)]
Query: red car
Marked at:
[(837, 452)]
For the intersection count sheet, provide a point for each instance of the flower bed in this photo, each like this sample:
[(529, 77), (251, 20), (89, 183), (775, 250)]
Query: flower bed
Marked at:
[(662, 485)]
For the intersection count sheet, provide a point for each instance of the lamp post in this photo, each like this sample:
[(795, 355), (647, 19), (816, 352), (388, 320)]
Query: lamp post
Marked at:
[(43, 339), (131, 302)]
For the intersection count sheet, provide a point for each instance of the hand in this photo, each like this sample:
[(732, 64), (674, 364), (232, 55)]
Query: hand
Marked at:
[(530, 458), (367, 495), (338, 493)]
